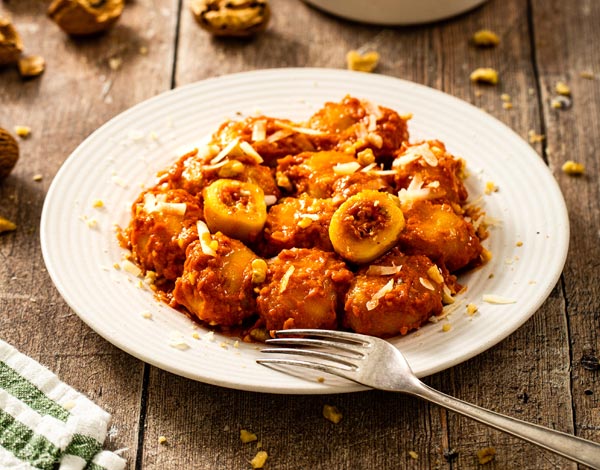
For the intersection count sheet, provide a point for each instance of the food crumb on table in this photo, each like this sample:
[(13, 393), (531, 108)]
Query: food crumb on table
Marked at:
[(6, 225), (413, 455), (366, 62), (485, 38), (573, 168), (485, 75), (562, 89), (259, 459), (23, 131), (162, 440), (247, 436), (486, 455), (332, 414)]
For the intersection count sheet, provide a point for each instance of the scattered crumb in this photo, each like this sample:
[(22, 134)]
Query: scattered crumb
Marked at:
[(23, 131), (485, 38), (320, 379), (484, 75), (446, 327), (366, 62), (98, 203), (413, 455), (490, 188), (91, 223), (471, 309), (561, 102), (147, 315), (31, 66), (247, 436), (332, 414), (6, 225), (143, 50), (196, 335), (497, 299), (534, 137), (486, 455), (519, 243), (587, 75), (562, 89), (507, 105), (177, 341), (505, 97), (162, 440), (573, 168), (115, 63), (259, 459), (37, 177)]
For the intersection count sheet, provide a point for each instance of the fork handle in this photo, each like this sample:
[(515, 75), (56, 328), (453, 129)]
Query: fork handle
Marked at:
[(566, 445)]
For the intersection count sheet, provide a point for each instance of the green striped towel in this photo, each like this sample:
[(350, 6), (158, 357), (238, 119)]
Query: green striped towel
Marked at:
[(45, 424)]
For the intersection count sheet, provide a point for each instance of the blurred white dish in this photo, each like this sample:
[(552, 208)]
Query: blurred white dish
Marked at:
[(395, 12)]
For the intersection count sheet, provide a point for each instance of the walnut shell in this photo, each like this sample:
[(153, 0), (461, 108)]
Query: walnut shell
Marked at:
[(85, 17), (232, 17), (10, 42), (9, 153)]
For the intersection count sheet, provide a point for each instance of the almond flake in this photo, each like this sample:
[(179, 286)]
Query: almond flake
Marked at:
[(497, 299)]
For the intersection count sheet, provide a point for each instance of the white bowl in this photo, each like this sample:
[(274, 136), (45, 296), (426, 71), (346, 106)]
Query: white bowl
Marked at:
[(395, 12)]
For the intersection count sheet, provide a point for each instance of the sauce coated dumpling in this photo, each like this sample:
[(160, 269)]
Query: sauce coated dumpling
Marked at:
[(394, 295), (162, 226), (303, 289), (217, 288), (436, 231)]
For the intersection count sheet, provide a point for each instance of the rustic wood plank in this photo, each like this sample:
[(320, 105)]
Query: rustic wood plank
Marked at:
[(78, 92), (573, 134)]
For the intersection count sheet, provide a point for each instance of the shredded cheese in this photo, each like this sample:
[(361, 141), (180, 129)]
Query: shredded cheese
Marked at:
[(225, 151), (497, 299), (346, 168), (371, 304), (286, 279), (259, 130), (300, 130), (250, 152), (375, 270), (205, 239)]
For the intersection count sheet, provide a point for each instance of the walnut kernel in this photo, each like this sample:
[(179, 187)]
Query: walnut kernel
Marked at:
[(9, 153), (484, 75), (232, 17), (85, 17), (10, 42)]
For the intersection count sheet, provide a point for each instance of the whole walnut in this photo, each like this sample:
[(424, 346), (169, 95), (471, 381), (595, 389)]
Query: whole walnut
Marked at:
[(232, 17), (85, 17), (10, 42), (9, 153)]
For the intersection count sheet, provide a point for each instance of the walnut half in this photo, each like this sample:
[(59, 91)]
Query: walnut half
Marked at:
[(9, 153), (85, 17), (10, 42), (232, 17)]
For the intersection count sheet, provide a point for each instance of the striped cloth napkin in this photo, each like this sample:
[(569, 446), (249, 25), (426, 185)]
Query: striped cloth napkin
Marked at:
[(45, 424)]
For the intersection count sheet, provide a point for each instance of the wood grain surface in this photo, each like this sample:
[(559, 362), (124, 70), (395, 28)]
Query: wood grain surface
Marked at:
[(544, 373)]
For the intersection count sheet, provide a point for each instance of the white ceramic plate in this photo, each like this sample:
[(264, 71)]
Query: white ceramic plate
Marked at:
[(80, 246)]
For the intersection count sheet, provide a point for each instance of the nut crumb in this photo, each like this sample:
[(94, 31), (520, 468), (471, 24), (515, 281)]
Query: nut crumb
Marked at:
[(23, 131), (115, 63), (162, 440), (519, 243), (37, 177), (366, 62), (247, 436), (332, 414), (486, 75), (507, 105), (259, 459), (573, 168), (562, 89), (587, 75), (485, 38), (31, 66), (490, 188), (413, 455), (471, 309), (534, 137), (486, 455), (6, 225), (446, 327)]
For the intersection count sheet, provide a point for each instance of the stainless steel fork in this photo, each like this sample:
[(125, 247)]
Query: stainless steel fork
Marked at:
[(378, 364)]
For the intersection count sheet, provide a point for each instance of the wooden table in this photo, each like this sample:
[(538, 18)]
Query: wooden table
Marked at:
[(543, 373)]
